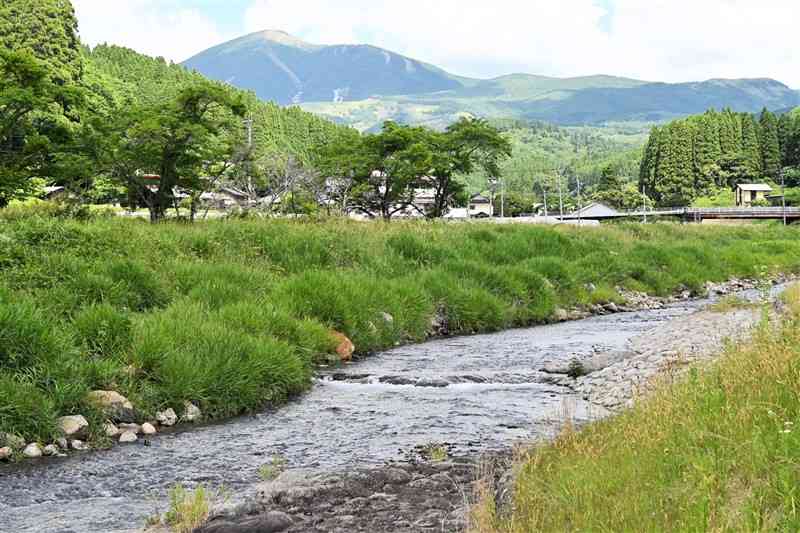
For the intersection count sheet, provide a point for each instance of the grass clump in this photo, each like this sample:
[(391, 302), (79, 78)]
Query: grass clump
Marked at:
[(717, 451), (188, 510), (272, 470), (233, 315)]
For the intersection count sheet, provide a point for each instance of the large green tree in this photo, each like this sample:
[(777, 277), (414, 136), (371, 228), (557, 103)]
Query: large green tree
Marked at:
[(48, 30), (770, 144), (32, 123), (184, 141), (467, 144)]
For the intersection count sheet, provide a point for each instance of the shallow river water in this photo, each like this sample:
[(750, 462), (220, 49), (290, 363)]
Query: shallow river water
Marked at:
[(476, 393)]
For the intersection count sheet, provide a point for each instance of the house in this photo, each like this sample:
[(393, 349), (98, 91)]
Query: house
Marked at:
[(55, 194), (481, 206), (749, 193), (593, 211)]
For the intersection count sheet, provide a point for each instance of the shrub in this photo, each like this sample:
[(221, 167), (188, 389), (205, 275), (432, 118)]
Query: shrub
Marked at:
[(28, 338)]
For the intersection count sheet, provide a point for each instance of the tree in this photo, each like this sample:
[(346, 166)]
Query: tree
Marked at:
[(674, 184), (467, 144), (770, 144), (48, 30), (751, 150), (385, 168), (26, 145), (184, 141), (707, 151)]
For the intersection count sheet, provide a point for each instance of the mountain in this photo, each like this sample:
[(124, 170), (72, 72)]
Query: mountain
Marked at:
[(287, 70), (363, 86)]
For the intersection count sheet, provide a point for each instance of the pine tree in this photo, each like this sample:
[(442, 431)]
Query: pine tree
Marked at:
[(674, 181), (730, 139), (647, 170), (707, 150), (784, 131), (770, 144), (751, 151)]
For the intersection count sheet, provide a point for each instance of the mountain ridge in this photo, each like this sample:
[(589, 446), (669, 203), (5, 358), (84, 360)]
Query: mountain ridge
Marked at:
[(363, 85)]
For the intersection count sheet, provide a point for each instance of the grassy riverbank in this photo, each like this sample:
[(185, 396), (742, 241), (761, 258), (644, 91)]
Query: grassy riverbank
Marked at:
[(718, 451), (233, 315)]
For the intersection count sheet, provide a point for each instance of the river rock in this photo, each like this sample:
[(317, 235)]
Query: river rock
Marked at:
[(73, 426), (5, 453), (110, 430), (62, 443), (396, 476), (561, 315), (114, 405), (32, 450), (78, 445), (51, 450), (128, 437), (344, 347), (148, 429), (167, 417), (191, 413), (15, 442), (271, 522), (136, 429), (389, 319)]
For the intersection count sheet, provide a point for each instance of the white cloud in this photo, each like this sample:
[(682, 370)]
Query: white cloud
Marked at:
[(153, 27), (660, 40), (664, 40)]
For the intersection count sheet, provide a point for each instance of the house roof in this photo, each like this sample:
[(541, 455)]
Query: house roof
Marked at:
[(479, 198), (594, 208), (755, 187), (54, 189)]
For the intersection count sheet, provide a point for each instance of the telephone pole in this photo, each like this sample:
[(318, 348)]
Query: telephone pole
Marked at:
[(783, 194), (248, 122)]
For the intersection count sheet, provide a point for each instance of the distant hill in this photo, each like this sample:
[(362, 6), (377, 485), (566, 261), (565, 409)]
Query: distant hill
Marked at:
[(364, 85)]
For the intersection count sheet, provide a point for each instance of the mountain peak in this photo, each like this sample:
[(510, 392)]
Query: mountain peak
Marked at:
[(285, 39)]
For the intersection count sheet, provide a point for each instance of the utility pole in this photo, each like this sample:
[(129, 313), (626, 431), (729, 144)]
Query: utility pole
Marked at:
[(644, 203), (580, 203), (544, 193), (783, 194), (560, 199), (502, 198)]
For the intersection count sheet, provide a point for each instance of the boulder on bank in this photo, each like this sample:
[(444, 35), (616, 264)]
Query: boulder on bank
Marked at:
[(5, 453), (148, 429), (344, 347), (75, 427), (271, 522), (114, 405), (110, 430), (167, 417), (32, 450), (191, 413), (15, 442), (51, 450)]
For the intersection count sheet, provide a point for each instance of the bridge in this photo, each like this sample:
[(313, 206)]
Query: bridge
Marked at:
[(698, 214)]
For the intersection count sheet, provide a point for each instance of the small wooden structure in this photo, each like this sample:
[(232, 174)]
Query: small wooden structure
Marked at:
[(749, 193)]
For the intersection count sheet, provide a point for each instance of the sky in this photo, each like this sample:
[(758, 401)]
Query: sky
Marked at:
[(654, 40)]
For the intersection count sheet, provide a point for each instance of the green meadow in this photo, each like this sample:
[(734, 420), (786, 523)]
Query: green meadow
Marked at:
[(234, 315)]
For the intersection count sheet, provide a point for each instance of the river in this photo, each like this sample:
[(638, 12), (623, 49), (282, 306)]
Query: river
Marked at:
[(475, 393)]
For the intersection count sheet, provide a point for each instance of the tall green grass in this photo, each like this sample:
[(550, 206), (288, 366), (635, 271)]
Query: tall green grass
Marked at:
[(718, 451), (234, 315)]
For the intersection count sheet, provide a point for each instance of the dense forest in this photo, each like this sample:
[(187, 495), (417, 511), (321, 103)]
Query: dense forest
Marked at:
[(700, 155)]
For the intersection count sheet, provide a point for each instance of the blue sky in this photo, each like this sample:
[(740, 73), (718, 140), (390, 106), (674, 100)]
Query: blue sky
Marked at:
[(659, 40)]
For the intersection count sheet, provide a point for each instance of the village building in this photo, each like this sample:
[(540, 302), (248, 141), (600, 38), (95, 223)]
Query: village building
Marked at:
[(593, 211), (749, 193), (55, 194)]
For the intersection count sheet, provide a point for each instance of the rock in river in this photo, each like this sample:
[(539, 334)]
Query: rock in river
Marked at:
[(148, 429), (128, 437), (344, 346), (5, 453), (271, 522)]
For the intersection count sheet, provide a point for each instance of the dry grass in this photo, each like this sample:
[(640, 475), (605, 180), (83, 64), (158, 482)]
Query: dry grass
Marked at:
[(716, 451)]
